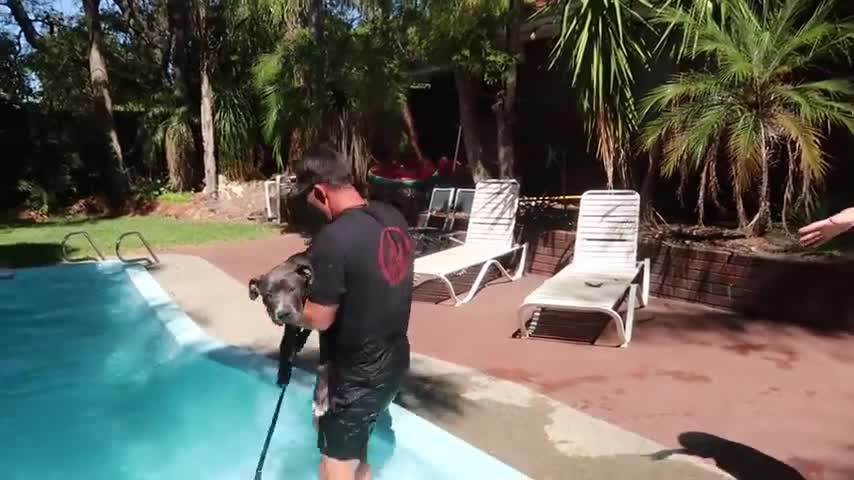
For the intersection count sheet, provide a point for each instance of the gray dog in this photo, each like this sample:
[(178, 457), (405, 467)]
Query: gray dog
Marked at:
[(283, 291)]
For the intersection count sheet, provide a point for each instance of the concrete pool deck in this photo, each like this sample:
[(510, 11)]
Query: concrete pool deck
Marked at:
[(537, 435), (768, 394)]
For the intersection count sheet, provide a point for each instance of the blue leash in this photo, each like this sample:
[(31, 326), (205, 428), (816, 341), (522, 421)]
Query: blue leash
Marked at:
[(260, 466)]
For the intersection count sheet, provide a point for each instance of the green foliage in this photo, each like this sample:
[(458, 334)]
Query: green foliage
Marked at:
[(308, 82), (462, 33), (13, 81), (62, 68), (602, 43), (236, 131), (757, 100), (175, 197)]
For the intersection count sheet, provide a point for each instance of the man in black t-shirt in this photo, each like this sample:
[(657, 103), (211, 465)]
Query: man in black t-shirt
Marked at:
[(360, 299)]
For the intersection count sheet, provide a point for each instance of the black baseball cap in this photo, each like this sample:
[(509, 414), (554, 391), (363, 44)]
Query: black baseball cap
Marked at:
[(321, 163)]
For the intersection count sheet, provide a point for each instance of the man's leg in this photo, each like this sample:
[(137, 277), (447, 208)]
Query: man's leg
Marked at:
[(343, 435), (363, 471), (332, 469), (343, 443)]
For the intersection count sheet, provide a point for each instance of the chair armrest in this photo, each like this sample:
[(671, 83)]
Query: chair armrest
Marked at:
[(452, 237), (455, 239)]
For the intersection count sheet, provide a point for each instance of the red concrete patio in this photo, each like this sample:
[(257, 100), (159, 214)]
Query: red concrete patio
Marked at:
[(775, 388)]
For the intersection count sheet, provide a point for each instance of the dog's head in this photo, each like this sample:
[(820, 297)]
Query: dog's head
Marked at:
[(284, 289)]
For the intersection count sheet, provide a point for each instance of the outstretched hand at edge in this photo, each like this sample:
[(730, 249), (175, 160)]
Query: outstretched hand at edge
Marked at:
[(819, 233)]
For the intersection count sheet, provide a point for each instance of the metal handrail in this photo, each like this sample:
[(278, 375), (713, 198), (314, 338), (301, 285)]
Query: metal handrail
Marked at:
[(144, 243), (65, 255)]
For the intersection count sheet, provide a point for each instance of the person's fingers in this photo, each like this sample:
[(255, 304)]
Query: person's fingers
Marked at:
[(811, 238), (813, 227), (817, 242), (810, 235)]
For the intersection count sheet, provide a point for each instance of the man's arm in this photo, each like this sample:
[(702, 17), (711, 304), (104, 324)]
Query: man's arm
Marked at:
[(318, 317), (327, 285)]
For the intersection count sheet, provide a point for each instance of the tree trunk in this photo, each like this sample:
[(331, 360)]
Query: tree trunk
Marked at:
[(762, 221), (789, 193), (314, 18), (207, 107), (505, 100), (296, 147), (19, 13), (103, 101), (181, 148), (647, 192), (409, 123), (178, 26), (467, 91), (701, 196), (739, 207), (503, 109)]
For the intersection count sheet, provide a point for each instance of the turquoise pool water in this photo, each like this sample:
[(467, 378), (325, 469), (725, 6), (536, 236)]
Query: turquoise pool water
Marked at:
[(103, 377)]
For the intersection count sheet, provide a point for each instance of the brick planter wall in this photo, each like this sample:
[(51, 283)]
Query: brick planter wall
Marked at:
[(815, 294)]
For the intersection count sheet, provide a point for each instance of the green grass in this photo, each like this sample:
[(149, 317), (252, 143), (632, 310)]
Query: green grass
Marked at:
[(30, 244), (175, 197)]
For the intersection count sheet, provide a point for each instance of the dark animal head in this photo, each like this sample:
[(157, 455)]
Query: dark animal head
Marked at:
[(284, 289)]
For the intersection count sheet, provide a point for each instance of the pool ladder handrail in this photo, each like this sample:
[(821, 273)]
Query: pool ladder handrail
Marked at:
[(144, 243), (65, 255)]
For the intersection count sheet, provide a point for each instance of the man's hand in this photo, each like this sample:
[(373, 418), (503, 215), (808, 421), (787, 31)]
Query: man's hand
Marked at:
[(820, 232)]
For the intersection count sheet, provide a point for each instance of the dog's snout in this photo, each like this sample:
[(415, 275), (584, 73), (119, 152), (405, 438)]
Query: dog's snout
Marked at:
[(283, 314)]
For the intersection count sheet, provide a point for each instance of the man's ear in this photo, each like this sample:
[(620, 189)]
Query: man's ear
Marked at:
[(306, 272), (253, 289)]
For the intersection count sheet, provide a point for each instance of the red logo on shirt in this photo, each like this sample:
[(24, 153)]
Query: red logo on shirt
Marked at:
[(394, 255)]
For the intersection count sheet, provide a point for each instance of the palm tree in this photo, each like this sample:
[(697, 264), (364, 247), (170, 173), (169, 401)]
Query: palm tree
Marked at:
[(753, 100), (327, 75), (600, 42)]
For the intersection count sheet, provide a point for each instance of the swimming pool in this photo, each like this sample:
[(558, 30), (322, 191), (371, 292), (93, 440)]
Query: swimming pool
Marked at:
[(104, 377)]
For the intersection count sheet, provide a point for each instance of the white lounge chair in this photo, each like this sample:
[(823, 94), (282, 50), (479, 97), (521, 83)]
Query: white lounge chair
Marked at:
[(489, 236), (604, 268)]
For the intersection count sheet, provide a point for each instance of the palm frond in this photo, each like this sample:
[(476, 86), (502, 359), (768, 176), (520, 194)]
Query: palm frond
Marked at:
[(808, 142), (708, 126), (708, 37), (235, 124), (682, 88), (822, 102), (602, 57), (743, 147), (818, 38), (674, 151), (697, 12)]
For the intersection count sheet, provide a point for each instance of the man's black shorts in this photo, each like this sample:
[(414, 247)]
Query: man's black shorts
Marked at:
[(344, 430)]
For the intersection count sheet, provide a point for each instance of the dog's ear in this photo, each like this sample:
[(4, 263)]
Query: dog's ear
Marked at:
[(306, 272), (253, 289)]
